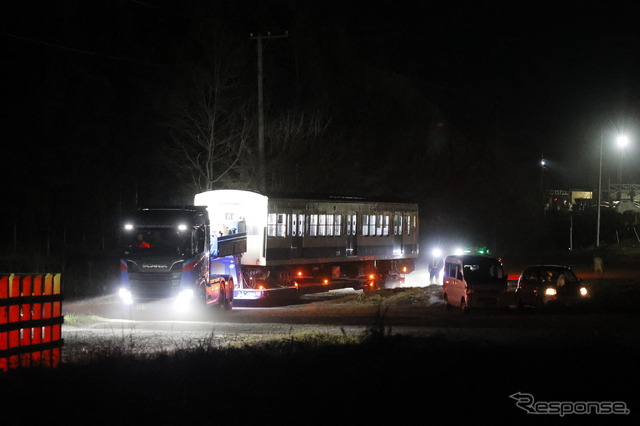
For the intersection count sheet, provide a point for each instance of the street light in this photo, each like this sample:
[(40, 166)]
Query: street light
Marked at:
[(543, 167), (622, 141)]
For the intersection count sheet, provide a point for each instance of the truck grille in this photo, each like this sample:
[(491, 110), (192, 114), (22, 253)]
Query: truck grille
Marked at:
[(152, 286)]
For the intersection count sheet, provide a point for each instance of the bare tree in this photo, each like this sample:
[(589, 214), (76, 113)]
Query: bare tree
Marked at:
[(211, 129), (293, 138)]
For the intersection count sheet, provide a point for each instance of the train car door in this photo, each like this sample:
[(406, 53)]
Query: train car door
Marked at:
[(398, 238), (352, 226), (297, 235)]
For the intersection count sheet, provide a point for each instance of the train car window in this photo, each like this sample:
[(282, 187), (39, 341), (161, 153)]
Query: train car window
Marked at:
[(329, 225), (281, 228), (397, 224), (385, 226), (294, 225), (372, 225), (313, 225), (379, 225), (301, 225), (322, 225), (271, 225), (351, 224), (408, 225), (337, 225), (365, 224)]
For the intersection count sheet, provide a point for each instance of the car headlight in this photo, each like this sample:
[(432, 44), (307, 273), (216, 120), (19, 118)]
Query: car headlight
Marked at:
[(583, 291), (550, 291)]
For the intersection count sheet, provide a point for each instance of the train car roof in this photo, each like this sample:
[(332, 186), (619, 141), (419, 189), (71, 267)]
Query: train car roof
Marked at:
[(313, 196), (334, 197)]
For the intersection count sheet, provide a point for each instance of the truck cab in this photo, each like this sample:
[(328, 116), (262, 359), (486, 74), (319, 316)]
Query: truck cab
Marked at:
[(165, 254)]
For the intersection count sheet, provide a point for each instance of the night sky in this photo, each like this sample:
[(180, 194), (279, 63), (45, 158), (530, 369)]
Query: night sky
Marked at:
[(451, 104)]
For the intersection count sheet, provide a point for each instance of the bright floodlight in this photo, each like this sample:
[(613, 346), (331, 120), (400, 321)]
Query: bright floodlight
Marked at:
[(623, 141), (125, 296), (436, 252), (183, 299), (543, 162)]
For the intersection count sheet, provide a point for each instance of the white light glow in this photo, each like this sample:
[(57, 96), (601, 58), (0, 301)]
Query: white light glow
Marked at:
[(436, 252), (182, 227), (583, 291), (125, 296), (184, 298), (231, 204), (550, 291), (623, 141), (128, 226)]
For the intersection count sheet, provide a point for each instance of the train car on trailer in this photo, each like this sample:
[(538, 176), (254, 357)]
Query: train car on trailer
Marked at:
[(297, 241)]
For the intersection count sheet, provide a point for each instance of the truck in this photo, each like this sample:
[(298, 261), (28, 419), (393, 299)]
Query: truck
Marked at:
[(243, 245), (172, 254)]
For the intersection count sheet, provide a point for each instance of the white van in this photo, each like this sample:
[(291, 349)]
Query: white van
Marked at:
[(472, 281)]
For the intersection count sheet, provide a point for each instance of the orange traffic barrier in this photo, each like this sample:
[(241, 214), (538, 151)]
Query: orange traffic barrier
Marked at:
[(30, 320)]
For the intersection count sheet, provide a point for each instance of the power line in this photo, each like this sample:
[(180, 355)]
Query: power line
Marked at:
[(80, 51)]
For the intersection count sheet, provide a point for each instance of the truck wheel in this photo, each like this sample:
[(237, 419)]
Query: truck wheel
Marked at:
[(463, 306), (222, 295), (228, 299), (225, 303)]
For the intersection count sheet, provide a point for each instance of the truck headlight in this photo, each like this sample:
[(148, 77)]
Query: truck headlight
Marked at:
[(125, 296), (183, 298), (550, 291)]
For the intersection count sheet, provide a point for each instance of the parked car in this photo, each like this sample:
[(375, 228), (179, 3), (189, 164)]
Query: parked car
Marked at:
[(550, 285), (473, 281)]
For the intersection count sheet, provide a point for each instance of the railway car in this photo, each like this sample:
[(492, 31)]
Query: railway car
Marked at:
[(296, 239)]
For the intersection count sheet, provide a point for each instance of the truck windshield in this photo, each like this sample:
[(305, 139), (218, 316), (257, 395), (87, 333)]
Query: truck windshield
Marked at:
[(159, 241), (488, 270)]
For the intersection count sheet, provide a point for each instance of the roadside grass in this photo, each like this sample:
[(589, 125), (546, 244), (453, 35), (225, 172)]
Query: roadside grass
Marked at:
[(79, 320), (394, 296), (313, 379)]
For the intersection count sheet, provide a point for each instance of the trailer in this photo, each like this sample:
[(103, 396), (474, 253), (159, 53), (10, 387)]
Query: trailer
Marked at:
[(311, 243)]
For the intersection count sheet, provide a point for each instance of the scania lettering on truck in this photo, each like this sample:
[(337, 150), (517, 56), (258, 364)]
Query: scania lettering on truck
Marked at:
[(166, 257), (472, 281)]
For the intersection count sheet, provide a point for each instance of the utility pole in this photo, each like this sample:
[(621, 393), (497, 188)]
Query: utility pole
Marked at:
[(261, 166), (599, 192)]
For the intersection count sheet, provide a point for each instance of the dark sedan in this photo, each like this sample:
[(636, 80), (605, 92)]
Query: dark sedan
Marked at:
[(550, 285)]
